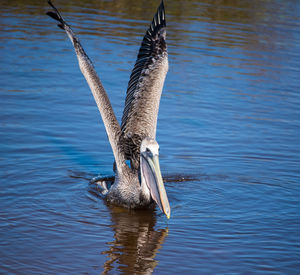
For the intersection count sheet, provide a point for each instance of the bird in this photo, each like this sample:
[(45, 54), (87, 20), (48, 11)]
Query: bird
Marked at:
[(138, 181)]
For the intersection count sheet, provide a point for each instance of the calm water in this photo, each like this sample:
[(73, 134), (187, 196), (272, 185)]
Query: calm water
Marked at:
[(229, 123)]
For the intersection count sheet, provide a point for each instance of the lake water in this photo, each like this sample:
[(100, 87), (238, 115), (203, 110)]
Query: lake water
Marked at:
[(228, 129)]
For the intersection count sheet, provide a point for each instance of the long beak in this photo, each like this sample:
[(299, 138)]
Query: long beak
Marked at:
[(154, 181)]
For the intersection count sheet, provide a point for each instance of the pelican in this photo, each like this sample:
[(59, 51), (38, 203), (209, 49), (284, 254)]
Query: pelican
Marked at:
[(138, 182)]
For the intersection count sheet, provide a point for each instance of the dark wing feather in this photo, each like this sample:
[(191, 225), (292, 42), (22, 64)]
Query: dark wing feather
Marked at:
[(146, 52), (144, 88)]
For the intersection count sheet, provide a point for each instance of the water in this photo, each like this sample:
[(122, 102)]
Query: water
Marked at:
[(229, 123)]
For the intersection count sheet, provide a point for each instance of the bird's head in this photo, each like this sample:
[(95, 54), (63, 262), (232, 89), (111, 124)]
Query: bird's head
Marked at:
[(151, 179)]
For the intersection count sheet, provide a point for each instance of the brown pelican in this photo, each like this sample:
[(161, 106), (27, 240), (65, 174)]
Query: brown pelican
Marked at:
[(140, 183)]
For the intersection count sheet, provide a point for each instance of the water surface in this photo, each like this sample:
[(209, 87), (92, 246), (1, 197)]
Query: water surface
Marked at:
[(229, 124)]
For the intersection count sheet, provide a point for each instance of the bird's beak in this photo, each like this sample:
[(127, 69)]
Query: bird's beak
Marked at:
[(154, 181)]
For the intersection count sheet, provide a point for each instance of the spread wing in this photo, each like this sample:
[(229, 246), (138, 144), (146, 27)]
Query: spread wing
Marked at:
[(144, 88), (108, 116)]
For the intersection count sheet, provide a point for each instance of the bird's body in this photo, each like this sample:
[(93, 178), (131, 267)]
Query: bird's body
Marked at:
[(127, 191), (140, 183)]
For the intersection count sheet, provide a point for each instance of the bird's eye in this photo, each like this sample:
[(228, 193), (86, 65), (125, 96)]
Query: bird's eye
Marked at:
[(147, 150)]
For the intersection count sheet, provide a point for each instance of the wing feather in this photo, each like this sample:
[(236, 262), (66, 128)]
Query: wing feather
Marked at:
[(111, 124), (145, 87)]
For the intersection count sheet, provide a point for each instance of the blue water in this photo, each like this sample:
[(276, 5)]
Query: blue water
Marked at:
[(228, 129)]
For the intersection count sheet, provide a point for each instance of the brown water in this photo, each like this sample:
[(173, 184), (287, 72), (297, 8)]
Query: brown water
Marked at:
[(228, 129)]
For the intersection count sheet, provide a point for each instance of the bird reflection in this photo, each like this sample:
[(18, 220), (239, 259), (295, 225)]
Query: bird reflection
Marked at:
[(136, 241)]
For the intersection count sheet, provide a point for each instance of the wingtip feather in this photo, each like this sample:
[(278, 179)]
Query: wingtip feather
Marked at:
[(159, 20), (61, 26), (56, 16), (53, 15), (50, 3)]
